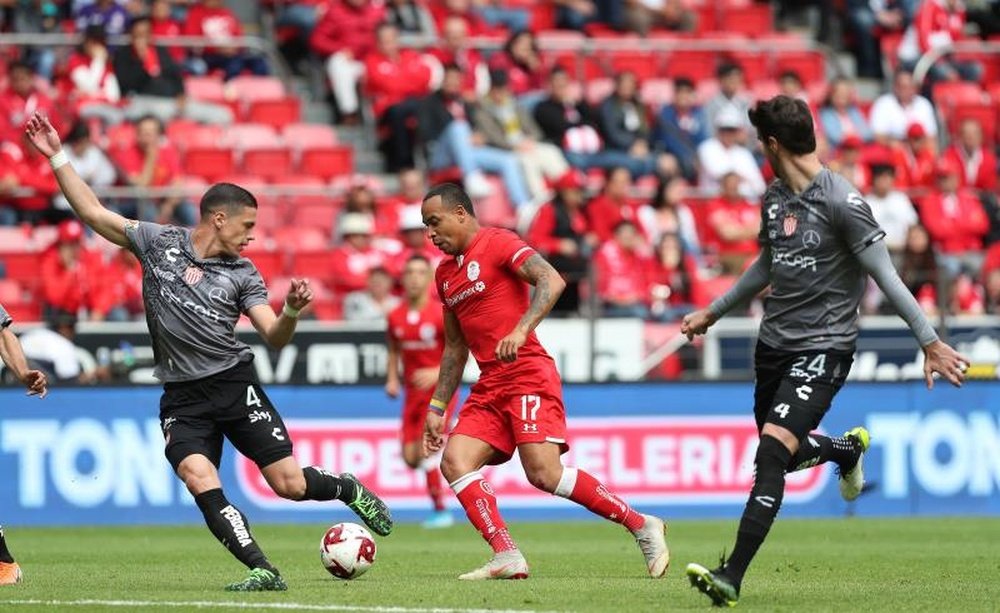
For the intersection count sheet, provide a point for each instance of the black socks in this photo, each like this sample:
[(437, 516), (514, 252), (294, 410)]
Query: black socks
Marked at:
[(816, 449), (322, 485), (232, 529)]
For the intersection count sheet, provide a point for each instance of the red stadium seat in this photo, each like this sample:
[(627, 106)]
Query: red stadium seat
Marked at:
[(327, 162), (809, 65), (250, 135), (596, 90), (751, 20), (643, 65), (321, 216), (307, 135), (301, 238), (250, 88), (695, 65), (276, 113), (210, 163), (21, 266), (209, 89), (313, 263), (27, 311), (15, 238), (952, 93), (11, 292), (120, 136), (656, 92), (270, 263), (268, 163), (328, 309), (754, 64)]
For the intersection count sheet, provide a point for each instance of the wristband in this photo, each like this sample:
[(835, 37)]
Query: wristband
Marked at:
[(437, 406), (290, 312), (58, 160)]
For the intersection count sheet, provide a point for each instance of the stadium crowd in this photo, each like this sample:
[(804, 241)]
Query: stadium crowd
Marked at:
[(639, 177)]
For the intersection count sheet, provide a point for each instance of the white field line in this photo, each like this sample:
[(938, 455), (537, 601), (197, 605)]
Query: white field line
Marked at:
[(277, 606)]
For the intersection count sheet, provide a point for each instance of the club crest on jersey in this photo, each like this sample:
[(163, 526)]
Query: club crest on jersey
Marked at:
[(428, 332), (790, 224), (472, 271), (192, 275)]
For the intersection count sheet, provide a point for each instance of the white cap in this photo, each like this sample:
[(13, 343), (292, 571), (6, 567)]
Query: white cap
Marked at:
[(410, 218), (728, 117), (355, 223)]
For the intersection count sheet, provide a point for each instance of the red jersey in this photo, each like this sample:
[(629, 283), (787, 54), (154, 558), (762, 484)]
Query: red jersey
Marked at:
[(219, 25), (132, 160), (419, 335), (482, 288)]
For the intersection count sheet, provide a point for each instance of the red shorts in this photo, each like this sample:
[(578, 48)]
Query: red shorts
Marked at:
[(505, 416), (415, 405)]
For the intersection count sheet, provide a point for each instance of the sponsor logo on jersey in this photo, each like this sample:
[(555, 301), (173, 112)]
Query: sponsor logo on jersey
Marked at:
[(478, 288), (192, 275), (790, 224), (784, 258), (472, 271), (259, 416), (811, 239), (219, 295)]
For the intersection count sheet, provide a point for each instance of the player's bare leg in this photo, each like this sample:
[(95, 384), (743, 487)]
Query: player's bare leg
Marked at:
[(544, 469), (413, 455), (463, 457)]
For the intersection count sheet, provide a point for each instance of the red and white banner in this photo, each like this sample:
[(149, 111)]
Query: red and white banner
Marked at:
[(684, 460)]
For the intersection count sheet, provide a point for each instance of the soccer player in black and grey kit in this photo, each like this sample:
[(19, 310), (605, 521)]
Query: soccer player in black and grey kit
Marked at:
[(195, 287), (819, 243)]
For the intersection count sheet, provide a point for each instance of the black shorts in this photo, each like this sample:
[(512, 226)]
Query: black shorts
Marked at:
[(195, 415), (794, 389)]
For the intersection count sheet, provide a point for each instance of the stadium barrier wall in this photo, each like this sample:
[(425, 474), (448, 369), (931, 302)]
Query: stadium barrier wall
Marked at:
[(94, 456)]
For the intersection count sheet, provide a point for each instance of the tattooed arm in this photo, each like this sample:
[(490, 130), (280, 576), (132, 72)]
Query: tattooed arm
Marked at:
[(456, 354), (549, 285)]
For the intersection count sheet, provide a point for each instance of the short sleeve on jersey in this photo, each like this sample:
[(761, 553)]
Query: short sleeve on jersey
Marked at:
[(857, 223), (254, 292), (141, 233), (438, 284), (511, 251), (5, 318)]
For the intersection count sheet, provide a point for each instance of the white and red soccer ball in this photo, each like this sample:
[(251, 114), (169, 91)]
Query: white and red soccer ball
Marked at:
[(347, 550)]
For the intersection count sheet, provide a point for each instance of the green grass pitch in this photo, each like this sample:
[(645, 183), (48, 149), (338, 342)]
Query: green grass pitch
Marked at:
[(830, 565)]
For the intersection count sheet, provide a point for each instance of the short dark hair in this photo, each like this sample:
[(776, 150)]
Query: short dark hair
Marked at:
[(143, 18), (418, 257), (790, 74), (153, 118), (226, 195), (79, 132), (558, 70), (788, 120), (20, 65), (727, 68), (452, 196), (879, 169), (683, 83)]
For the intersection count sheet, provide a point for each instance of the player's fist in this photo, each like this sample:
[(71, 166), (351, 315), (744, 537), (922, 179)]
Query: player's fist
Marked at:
[(697, 323), (299, 294), (940, 358), (392, 388), (433, 434), (508, 346), (42, 135), (36, 383)]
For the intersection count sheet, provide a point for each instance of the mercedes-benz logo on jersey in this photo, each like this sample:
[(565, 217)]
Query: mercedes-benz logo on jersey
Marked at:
[(220, 295), (472, 271), (811, 240), (192, 275)]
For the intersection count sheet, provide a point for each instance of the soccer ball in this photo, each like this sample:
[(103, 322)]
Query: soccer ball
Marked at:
[(347, 550)]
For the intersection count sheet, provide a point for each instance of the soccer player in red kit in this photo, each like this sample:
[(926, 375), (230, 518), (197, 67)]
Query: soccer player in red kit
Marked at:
[(517, 402), (415, 333)]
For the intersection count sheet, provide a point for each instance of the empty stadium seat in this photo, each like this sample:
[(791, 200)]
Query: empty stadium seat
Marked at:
[(809, 65), (299, 238), (206, 88), (250, 88), (326, 162), (208, 162), (276, 113), (751, 20), (268, 163), (695, 65), (656, 92), (321, 216), (306, 135), (310, 263), (270, 263), (250, 135)]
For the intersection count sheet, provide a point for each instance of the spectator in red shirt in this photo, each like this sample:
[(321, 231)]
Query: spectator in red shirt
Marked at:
[(914, 159), (978, 162), (849, 163), (71, 275), (613, 206), (622, 270), (938, 25), (443, 9), (21, 99), (733, 224), (153, 162), (164, 26), (343, 38), (560, 232), (121, 295), (412, 188), (216, 22), (22, 168), (455, 49), (522, 62), (413, 241), (93, 85), (356, 256), (954, 217), (397, 80), (673, 280)]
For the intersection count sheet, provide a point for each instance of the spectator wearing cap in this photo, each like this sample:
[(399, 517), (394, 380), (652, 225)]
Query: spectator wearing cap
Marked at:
[(732, 97), (411, 17), (622, 270), (682, 127), (412, 188), (413, 241), (27, 184), (508, 126), (356, 256), (840, 117), (733, 225), (455, 49), (152, 83), (375, 301), (445, 126), (624, 124), (88, 160), (213, 20), (71, 276), (343, 38), (848, 163), (21, 99), (397, 81), (915, 158), (723, 154), (111, 16), (560, 232), (894, 112), (937, 26), (94, 89), (954, 216), (977, 161), (891, 207)]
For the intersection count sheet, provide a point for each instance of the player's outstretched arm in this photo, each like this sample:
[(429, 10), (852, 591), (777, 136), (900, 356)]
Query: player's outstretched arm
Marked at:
[(13, 356), (939, 357), (453, 359), (753, 281), (277, 329), (85, 204), (549, 285)]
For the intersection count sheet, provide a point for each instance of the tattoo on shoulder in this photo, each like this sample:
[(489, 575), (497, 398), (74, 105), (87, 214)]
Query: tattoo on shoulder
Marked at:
[(535, 267), (131, 224)]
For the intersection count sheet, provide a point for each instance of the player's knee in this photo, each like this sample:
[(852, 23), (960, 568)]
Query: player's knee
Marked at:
[(412, 457), (545, 478), (453, 467), (291, 487)]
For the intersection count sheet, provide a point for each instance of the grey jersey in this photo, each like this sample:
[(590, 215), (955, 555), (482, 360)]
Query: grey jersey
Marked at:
[(5, 319), (192, 304), (816, 279)]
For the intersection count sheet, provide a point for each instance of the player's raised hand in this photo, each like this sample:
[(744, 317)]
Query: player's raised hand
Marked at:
[(433, 433), (299, 294), (508, 346), (697, 323), (940, 358), (36, 383), (42, 135)]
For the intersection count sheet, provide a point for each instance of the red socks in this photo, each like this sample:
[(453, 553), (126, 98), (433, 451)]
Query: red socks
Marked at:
[(480, 506), (586, 491), (434, 487)]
